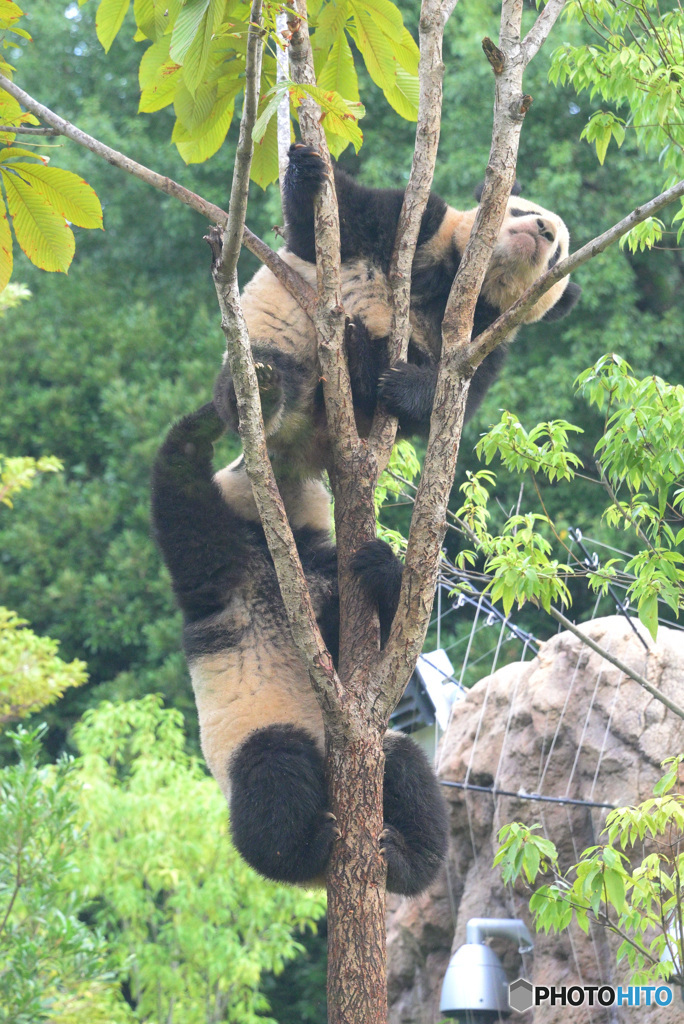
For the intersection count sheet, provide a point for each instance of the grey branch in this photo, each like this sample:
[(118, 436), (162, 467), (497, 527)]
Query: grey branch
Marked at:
[(539, 32), (430, 75), (428, 523), (29, 131), (489, 339), (301, 291), (279, 536)]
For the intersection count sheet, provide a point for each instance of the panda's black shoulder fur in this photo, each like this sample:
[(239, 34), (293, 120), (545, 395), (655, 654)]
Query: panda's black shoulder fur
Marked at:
[(368, 216)]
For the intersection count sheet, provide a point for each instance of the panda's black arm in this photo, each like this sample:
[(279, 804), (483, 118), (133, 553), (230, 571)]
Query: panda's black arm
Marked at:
[(368, 216), (203, 543)]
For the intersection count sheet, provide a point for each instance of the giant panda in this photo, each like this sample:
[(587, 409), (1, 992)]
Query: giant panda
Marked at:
[(531, 241), (260, 725)]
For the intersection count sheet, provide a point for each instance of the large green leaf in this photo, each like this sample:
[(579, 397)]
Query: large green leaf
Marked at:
[(197, 56), (196, 147), (264, 168), (41, 232), (14, 152), (10, 113), (151, 17), (5, 250), (187, 25), (339, 73), (193, 110), (329, 26), (9, 12), (65, 191), (109, 19), (376, 48), (161, 91), (273, 98), (158, 77), (407, 53), (385, 16), (404, 97)]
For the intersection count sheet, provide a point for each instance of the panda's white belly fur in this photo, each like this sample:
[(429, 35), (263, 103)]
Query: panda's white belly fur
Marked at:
[(270, 310), (247, 687)]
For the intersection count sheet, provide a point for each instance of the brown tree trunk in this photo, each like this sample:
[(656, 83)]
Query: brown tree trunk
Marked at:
[(357, 988)]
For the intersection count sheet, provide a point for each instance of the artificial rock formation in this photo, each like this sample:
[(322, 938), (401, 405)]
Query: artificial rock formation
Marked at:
[(566, 724)]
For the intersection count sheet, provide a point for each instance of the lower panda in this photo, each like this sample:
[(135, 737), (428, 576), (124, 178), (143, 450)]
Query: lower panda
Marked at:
[(283, 339), (260, 725)]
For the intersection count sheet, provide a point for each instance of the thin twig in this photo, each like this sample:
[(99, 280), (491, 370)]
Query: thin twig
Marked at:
[(29, 131), (632, 673)]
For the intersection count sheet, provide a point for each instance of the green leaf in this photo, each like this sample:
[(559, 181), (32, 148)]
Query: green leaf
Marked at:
[(648, 614), (196, 147), (264, 168), (160, 87), (615, 888), (273, 98), (385, 15), (375, 47), (66, 192), (339, 73), (330, 26), (151, 17), (197, 56), (41, 232), (407, 53), (194, 109), (10, 153), (109, 19), (5, 250), (187, 25), (405, 95)]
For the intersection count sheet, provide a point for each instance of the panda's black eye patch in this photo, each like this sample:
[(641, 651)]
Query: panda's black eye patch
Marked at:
[(554, 259), (524, 213)]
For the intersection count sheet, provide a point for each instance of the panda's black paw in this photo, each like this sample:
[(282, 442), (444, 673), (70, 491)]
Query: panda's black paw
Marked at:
[(379, 572), (270, 389), (397, 857), (377, 567), (193, 434), (306, 168), (407, 391)]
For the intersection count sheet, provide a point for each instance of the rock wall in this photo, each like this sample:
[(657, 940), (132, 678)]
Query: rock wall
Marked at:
[(567, 724)]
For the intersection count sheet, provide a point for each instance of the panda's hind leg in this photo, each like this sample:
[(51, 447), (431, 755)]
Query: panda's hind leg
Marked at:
[(279, 816), (415, 837)]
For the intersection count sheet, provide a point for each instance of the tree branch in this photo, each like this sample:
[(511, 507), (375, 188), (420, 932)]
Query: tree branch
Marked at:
[(514, 315), (28, 131), (281, 543), (298, 288), (430, 75), (428, 523), (539, 32)]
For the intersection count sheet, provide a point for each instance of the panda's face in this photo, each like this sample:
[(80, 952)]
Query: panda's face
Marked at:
[(531, 241), (531, 237)]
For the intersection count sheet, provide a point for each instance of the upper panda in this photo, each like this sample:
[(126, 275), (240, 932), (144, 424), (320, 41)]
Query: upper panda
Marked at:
[(531, 240), (261, 728)]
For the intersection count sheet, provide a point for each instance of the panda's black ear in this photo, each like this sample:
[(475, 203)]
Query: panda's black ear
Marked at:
[(515, 191), (565, 304)]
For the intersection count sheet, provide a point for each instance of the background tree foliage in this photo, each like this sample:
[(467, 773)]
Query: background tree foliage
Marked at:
[(121, 897), (96, 366)]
